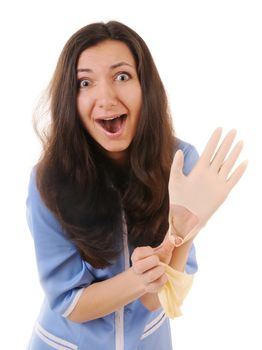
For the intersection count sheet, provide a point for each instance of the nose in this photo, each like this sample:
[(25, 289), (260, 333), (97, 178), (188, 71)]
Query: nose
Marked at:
[(106, 96)]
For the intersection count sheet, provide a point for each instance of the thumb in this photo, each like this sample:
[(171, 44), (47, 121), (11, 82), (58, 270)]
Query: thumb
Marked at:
[(176, 172), (178, 163), (165, 248)]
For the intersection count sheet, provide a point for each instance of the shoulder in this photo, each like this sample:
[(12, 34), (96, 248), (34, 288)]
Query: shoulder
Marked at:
[(32, 188), (190, 154), (34, 196)]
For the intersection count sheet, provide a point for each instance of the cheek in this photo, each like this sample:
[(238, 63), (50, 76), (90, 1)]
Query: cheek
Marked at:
[(83, 106), (79, 105), (139, 96), (135, 99), (137, 102)]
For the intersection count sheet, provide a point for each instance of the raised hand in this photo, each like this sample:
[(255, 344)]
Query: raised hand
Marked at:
[(199, 194)]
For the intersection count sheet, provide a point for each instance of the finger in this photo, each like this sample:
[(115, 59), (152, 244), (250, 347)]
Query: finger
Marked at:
[(165, 246), (237, 174), (153, 274), (141, 253), (155, 286), (211, 146), (146, 264), (222, 152), (231, 160)]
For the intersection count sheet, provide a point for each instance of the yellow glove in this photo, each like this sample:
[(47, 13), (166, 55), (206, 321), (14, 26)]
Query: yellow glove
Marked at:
[(206, 187), (174, 291)]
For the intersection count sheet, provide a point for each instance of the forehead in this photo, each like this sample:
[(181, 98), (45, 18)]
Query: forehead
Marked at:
[(105, 54)]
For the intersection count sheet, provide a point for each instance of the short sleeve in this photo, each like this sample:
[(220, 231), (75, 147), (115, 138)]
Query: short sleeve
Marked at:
[(190, 158), (63, 273)]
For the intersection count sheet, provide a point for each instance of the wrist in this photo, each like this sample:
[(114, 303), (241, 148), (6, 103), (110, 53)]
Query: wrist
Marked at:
[(182, 220), (183, 225), (180, 256)]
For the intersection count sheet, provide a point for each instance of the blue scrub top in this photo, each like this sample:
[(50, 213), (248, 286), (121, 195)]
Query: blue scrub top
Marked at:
[(64, 275)]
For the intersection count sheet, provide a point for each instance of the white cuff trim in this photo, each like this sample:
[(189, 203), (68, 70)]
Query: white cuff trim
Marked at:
[(73, 304), (154, 325)]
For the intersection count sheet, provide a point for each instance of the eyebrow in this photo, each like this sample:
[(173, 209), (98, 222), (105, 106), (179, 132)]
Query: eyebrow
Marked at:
[(114, 66)]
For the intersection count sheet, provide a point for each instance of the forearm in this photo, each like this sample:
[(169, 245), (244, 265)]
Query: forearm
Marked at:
[(102, 298)]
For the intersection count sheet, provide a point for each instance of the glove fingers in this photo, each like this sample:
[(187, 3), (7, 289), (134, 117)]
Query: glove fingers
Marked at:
[(237, 174), (223, 150), (211, 147), (231, 160)]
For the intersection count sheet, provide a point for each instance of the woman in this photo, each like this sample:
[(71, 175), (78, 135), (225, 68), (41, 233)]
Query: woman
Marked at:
[(98, 202)]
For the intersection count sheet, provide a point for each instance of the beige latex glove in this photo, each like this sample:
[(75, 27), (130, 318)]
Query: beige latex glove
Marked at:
[(172, 294), (206, 187)]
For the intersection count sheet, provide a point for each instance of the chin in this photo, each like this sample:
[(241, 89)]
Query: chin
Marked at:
[(117, 152), (117, 147)]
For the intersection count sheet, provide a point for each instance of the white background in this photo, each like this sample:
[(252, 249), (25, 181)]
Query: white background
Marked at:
[(209, 55)]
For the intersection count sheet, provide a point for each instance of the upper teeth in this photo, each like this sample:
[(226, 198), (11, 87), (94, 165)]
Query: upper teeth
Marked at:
[(114, 117), (117, 116)]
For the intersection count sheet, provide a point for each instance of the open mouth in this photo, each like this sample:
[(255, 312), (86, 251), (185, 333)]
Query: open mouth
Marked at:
[(114, 124)]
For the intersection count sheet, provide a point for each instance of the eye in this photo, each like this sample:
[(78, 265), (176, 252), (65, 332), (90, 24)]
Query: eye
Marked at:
[(83, 83), (123, 76)]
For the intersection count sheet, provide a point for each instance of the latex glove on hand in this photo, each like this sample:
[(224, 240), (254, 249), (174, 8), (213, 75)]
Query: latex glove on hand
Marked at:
[(206, 187)]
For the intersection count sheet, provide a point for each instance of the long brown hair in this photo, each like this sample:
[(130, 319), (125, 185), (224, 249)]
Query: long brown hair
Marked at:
[(86, 192)]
